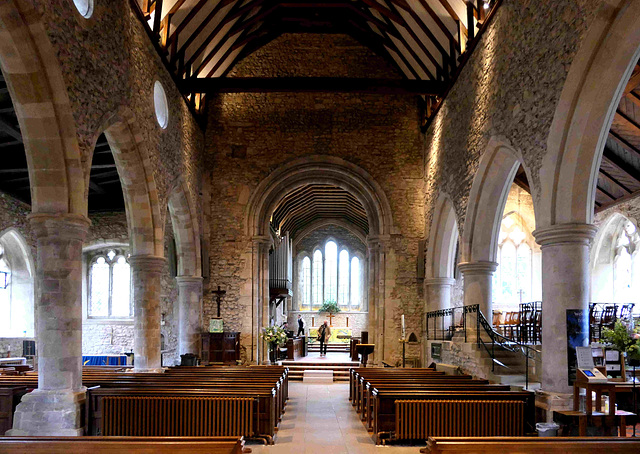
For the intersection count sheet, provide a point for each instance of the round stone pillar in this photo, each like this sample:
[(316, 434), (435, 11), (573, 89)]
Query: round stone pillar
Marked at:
[(55, 407), (190, 306), (478, 278), (439, 293), (565, 285), (146, 273)]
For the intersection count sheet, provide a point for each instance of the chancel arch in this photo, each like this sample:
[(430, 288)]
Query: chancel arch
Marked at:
[(320, 173)]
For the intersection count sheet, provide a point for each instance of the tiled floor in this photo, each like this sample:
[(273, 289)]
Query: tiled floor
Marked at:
[(320, 419)]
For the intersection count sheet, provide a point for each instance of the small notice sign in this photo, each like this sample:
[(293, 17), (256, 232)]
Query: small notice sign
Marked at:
[(216, 325)]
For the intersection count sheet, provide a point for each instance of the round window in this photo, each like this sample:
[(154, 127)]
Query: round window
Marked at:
[(160, 103), (85, 7)]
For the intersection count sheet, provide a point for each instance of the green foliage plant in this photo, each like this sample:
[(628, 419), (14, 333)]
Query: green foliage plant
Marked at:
[(330, 307)]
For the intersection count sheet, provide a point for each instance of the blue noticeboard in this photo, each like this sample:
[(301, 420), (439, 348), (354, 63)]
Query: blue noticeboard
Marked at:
[(104, 360)]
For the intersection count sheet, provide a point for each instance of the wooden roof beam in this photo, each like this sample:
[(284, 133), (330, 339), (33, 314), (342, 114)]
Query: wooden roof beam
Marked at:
[(611, 179), (7, 128), (312, 85)]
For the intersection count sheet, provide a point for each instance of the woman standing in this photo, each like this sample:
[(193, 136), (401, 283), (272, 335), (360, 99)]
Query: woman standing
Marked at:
[(324, 333)]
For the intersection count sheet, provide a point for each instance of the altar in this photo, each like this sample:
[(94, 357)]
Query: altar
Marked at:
[(338, 335)]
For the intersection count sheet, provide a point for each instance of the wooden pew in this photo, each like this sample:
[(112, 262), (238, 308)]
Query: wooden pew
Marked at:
[(9, 399), (129, 445), (406, 389), (531, 445), (496, 413), (267, 385)]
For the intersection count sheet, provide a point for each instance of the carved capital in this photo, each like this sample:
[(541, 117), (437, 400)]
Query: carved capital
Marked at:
[(147, 263), (576, 234), (62, 226), (478, 268)]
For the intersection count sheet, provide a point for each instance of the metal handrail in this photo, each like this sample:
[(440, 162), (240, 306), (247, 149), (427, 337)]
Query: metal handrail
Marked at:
[(481, 322)]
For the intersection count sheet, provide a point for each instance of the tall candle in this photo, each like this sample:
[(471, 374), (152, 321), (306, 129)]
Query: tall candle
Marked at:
[(403, 330)]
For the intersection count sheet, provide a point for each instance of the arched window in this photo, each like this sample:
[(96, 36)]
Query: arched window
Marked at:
[(331, 271), (330, 277), (316, 291), (306, 282), (5, 293), (513, 280), (355, 283), (625, 265), (343, 278), (16, 286), (110, 286)]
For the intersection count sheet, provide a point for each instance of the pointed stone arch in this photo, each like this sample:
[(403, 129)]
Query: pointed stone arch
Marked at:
[(489, 191), (42, 105), (584, 114), (146, 230), (186, 229), (443, 240)]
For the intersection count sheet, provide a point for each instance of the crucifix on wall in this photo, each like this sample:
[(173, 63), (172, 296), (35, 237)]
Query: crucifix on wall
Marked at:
[(219, 294), (331, 319)]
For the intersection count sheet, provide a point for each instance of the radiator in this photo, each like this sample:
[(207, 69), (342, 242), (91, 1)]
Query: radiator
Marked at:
[(420, 419), (177, 416)]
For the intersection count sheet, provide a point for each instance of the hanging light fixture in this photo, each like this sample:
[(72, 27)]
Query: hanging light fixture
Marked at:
[(4, 279)]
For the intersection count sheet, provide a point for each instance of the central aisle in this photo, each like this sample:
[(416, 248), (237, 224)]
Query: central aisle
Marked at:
[(320, 419)]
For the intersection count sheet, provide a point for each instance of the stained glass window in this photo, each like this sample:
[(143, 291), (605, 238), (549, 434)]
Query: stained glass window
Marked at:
[(306, 281), (317, 279), (331, 271), (343, 278), (355, 282)]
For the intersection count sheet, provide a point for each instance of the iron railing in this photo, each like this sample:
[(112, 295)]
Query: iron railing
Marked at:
[(481, 325)]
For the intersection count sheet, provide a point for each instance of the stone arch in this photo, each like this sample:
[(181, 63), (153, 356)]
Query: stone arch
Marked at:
[(136, 178), (584, 114), (186, 229), (22, 312), (324, 170), (443, 239), (489, 191), (42, 105)]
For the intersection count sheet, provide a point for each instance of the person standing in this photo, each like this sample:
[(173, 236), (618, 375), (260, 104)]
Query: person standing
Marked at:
[(324, 333), (300, 326)]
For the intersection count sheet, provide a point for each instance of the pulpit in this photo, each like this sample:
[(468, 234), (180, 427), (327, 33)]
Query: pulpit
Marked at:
[(221, 347), (364, 350)]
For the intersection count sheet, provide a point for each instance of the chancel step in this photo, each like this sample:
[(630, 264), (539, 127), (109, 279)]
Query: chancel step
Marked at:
[(336, 347), (340, 369)]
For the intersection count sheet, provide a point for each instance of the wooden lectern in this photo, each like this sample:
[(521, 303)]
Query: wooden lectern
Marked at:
[(365, 350)]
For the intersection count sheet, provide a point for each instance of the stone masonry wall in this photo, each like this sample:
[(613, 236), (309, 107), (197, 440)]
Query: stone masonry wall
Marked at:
[(250, 135), (509, 89), (108, 63)]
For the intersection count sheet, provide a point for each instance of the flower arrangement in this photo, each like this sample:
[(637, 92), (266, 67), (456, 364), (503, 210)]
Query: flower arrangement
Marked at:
[(624, 339), (329, 306), (274, 335)]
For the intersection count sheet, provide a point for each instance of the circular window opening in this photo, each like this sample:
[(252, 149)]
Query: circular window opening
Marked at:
[(85, 7), (160, 103)]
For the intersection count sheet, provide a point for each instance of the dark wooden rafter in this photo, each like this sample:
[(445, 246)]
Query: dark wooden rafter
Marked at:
[(192, 46), (7, 128), (311, 85), (438, 64), (184, 65), (240, 27), (615, 181)]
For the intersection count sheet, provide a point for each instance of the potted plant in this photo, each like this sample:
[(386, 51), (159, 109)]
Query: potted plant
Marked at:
[(625, 340), (330, 307), (274, 336)]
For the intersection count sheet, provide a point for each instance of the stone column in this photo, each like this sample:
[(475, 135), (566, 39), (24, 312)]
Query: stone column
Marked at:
[(438, 298), (190, 307), (565, 285), (55, 407), (439, 293), (146, 273), (478, 277)]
